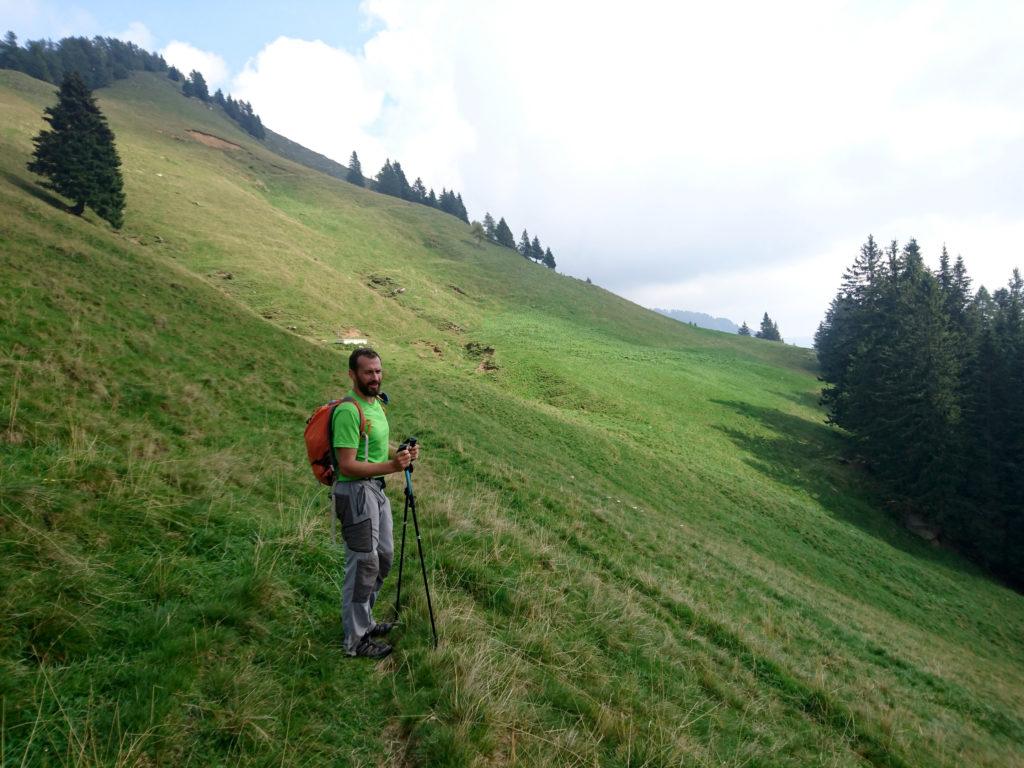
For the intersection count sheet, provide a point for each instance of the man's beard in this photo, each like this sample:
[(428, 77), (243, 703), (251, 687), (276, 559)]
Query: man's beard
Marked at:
[(365, 389)]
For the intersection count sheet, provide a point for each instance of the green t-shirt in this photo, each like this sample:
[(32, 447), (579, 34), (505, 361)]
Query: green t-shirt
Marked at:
[(345, 427)]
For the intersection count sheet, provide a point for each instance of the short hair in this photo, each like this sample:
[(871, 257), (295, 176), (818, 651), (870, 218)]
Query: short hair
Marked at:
[(353, 359)]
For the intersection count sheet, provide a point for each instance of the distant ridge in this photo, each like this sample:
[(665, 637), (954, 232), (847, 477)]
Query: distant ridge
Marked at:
[(700, 319)]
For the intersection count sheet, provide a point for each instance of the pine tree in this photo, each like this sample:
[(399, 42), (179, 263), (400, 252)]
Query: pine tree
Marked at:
[(503, 235), (174, 74), (403, 190), (431, 199), (387, 181), (198, 86), (355, 171), (744, 329), (536, 251), (549, 259), (77, 154), (524, 245), (489, 226), (419, 192), (769, 330)]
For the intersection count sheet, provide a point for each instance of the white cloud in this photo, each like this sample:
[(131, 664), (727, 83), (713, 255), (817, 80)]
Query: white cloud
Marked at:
[(187, 57), (138, 33), (687, 146)]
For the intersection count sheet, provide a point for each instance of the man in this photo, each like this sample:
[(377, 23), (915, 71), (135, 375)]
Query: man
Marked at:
[(361, 505)]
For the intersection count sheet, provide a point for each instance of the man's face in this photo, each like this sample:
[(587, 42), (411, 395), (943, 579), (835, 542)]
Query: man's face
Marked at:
[(367, 377)]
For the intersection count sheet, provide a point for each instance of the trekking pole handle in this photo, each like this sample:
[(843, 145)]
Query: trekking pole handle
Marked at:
[(409, 442)]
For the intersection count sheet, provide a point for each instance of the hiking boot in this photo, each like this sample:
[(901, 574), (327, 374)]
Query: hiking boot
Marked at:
[(381, 628), (371, 650)]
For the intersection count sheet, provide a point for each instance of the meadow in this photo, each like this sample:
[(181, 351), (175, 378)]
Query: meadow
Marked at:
[(645, 545)]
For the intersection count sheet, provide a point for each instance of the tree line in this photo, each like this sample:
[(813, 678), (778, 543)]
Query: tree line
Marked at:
[(391, 180), (928, 379), (194, 86), (102, 60), (501, 234), (99, 61)]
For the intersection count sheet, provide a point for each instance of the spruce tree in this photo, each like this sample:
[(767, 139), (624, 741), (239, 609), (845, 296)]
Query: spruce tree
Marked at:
[(549, 259), (524, 245), (744, 329), (419, 192), (769, 330), (403, 190), (536, 251), (77, 154), (355, 171), (387, 181), (199, 88), (503, 235), (489, 226)]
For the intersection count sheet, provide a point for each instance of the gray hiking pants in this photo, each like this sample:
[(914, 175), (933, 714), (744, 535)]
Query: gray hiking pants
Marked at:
[(365, 515)]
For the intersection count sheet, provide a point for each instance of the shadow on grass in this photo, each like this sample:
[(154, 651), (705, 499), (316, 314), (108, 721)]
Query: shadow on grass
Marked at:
[(807, 456), (37, 191)]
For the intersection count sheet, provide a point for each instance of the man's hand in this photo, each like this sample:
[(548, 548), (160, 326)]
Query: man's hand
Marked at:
[(403, 459), (414, 451)]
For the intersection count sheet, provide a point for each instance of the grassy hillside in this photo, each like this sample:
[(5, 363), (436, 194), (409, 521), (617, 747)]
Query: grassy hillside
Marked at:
[(642, 545)]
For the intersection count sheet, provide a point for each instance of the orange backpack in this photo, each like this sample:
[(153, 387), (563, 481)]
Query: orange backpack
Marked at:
[(320, 439)]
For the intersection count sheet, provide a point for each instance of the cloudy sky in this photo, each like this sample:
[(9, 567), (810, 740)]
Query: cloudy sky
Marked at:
[(721, 157)]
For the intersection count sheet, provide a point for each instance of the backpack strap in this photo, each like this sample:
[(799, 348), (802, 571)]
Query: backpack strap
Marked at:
[(362, 426)]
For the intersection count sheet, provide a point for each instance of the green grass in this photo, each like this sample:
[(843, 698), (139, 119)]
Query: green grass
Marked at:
[(643, 547)]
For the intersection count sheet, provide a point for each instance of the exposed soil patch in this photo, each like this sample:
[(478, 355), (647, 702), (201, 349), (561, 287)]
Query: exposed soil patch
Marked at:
[(456, 289), (448, 325), (485, 353), (385, 285), (212, 141)]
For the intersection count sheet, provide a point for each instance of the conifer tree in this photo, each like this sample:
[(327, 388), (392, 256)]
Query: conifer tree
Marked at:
[(524, 245), (536, 251), (744, 329), (431, 199), (355, 171), (503, 235), (174, 74), (489, 226), (387, 181), (198, 87), (419, 192), (77, 153), (769, 330), (549, 259), (403, 190)]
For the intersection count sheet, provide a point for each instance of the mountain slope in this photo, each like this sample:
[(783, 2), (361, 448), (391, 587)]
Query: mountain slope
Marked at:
[(643, 548)]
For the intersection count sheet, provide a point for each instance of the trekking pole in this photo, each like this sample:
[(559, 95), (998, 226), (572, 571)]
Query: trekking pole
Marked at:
[(419, 544), (401, 557), (410, 503)]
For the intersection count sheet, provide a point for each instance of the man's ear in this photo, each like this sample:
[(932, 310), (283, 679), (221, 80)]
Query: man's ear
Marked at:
[(352, 376)]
